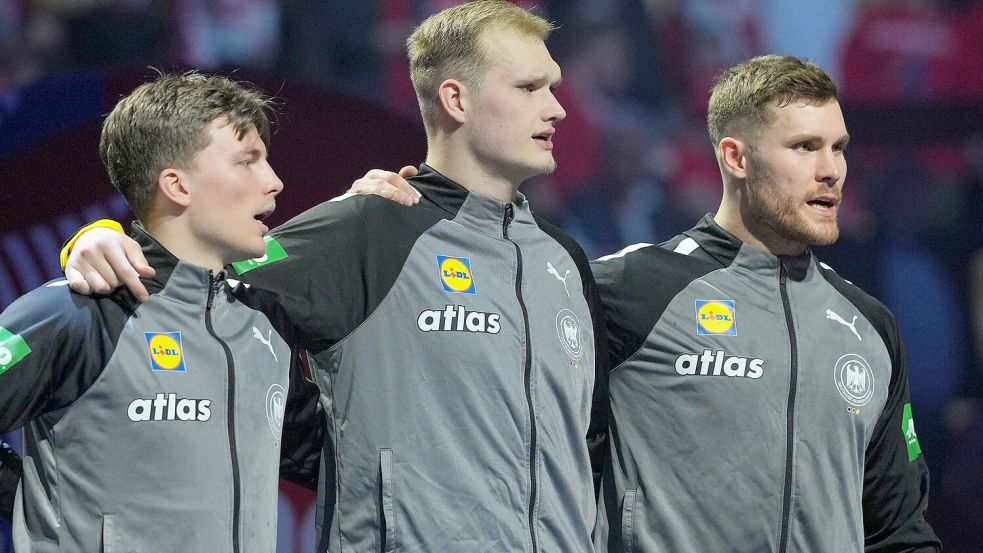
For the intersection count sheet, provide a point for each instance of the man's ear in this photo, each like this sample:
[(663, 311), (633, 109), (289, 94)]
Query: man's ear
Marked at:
[(452, 95), (733, 154), (173, 187)]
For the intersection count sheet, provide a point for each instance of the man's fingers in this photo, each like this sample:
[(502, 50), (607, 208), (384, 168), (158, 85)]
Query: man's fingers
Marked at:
[(96, 266), (77, 282), (105, 259), (97, 284), (122, 271), (387, 185), (391, 192), (399, 181), (140, 268), (132, 282), (377, 174), (366, 186), (134, 254)]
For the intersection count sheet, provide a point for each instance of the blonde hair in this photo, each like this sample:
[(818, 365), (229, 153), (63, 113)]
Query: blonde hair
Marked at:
[(743, 94), (446, 45)]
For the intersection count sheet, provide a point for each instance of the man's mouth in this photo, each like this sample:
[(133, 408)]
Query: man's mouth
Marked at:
[(259, 217), (545, 138), (825, 202)]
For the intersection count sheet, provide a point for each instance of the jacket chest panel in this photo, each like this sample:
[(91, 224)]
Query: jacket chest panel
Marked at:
[(167, 372), (460, 309), (844, 366), (723, 350)]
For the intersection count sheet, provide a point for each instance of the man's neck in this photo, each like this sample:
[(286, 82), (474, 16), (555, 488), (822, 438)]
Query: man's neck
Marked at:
[(177, 239), (731, 219), (469, 174)]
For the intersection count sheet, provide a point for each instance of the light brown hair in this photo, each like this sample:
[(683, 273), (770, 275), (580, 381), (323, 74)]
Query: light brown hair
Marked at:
[(164, 123), (744, 93)]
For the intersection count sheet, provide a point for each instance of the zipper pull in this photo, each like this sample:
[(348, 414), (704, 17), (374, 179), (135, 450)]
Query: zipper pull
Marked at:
[(214, 281), (509, 215)]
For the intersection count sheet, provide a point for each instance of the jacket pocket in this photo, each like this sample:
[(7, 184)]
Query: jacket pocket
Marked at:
[(627, 518), (108, 533), (386, 501)]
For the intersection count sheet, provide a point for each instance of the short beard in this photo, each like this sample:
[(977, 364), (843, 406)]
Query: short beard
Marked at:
[(550, 167), (778, 211)]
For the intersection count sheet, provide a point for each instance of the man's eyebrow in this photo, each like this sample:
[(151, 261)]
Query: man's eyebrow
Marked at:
[(540, 78), (804, 137), (811, 137), (251, 151)]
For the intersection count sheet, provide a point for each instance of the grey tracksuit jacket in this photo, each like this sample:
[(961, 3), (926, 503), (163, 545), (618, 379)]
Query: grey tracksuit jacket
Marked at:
[(759, 404), (453, 346), (150, 427)]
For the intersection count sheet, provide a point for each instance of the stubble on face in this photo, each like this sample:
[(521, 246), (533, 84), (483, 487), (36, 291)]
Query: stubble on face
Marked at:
[(550, 167), (777, 211)]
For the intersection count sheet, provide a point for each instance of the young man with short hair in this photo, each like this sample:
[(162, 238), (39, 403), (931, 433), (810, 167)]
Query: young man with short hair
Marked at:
[(759, 400), (157, 426), (457, 371)]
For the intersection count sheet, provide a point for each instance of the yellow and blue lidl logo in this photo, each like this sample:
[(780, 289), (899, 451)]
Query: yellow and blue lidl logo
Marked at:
[(716, 317), (455, 274), (166, 351)]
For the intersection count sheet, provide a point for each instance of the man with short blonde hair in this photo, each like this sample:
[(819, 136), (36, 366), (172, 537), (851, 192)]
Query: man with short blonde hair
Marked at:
[(448, 45)]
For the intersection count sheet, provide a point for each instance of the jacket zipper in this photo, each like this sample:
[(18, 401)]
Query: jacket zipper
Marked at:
[(216, 282), (527, 378), (790, 414)]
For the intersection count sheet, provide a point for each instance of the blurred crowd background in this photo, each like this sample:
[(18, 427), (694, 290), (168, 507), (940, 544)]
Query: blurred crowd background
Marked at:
[(634, 161)]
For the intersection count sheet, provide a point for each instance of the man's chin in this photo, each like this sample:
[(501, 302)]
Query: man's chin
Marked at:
[(528, 172), (252, 253), (550, 167), (824, 235)]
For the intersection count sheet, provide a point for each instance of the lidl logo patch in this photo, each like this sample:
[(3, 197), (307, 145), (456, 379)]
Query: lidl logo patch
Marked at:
[(274, 252), (13, 348), (716, 317), (166, 351), (455, 274), (908, 430)]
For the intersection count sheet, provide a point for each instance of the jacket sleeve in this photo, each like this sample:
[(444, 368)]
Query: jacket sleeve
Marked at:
[(327, 265), (597, 431), (303, 428), (52, 348), (10, 471), (895, 495)]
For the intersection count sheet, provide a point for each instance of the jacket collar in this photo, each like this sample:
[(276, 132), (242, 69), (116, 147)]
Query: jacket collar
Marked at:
[(725, 248), (473, 210), (174, 278)]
